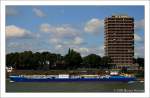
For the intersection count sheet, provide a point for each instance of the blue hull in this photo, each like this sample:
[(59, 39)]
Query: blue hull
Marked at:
[(112, 78)]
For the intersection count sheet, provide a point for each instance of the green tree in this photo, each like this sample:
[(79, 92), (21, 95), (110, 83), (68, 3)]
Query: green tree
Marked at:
[(92, 61), (140, 61), (12, 59), (26, 60), (48, 60), (105, 62), (73, 59)]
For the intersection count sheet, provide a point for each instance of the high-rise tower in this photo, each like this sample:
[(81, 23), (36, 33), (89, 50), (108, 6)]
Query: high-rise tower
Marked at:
[(119, 39)]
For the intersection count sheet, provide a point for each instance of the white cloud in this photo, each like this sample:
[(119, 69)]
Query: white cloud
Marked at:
[(101, 50), (84, 51), (93, 26), (78, 40), (58, 46), (16, 46), (14, 31), (38, 12), (55, 40), (139, 24), (139, 51), (69, 43), (137, 37), (45, 28), (12, 44), (62, 31), (139, 48)]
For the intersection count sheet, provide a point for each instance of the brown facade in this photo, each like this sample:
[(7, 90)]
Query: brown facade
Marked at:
[(119, 40)]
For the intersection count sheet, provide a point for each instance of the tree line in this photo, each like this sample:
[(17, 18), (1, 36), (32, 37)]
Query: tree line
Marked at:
[(47, 61), (51, 61)]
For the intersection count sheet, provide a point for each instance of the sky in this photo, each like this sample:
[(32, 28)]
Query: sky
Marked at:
[(58, 28)]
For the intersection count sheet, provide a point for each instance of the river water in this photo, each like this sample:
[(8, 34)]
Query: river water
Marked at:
[(74, 87)]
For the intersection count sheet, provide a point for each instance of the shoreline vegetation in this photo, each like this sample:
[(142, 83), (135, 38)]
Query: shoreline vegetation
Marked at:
[(29, 60), (29, 63)]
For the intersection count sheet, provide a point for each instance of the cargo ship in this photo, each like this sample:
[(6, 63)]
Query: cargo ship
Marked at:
[(69, 78)]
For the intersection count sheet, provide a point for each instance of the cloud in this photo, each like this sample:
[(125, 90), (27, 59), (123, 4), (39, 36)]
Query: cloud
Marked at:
[(14, 31), (38, 12), (69, 43), (54, 40), (139, 51), (84, 51), (93, 26), (62, 31), (16, 46), (12, 44), (62, 45), (11, 11), (139, 24), (101, 50), (45, 28), (78, 40), (58, 46), (137, 37)]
